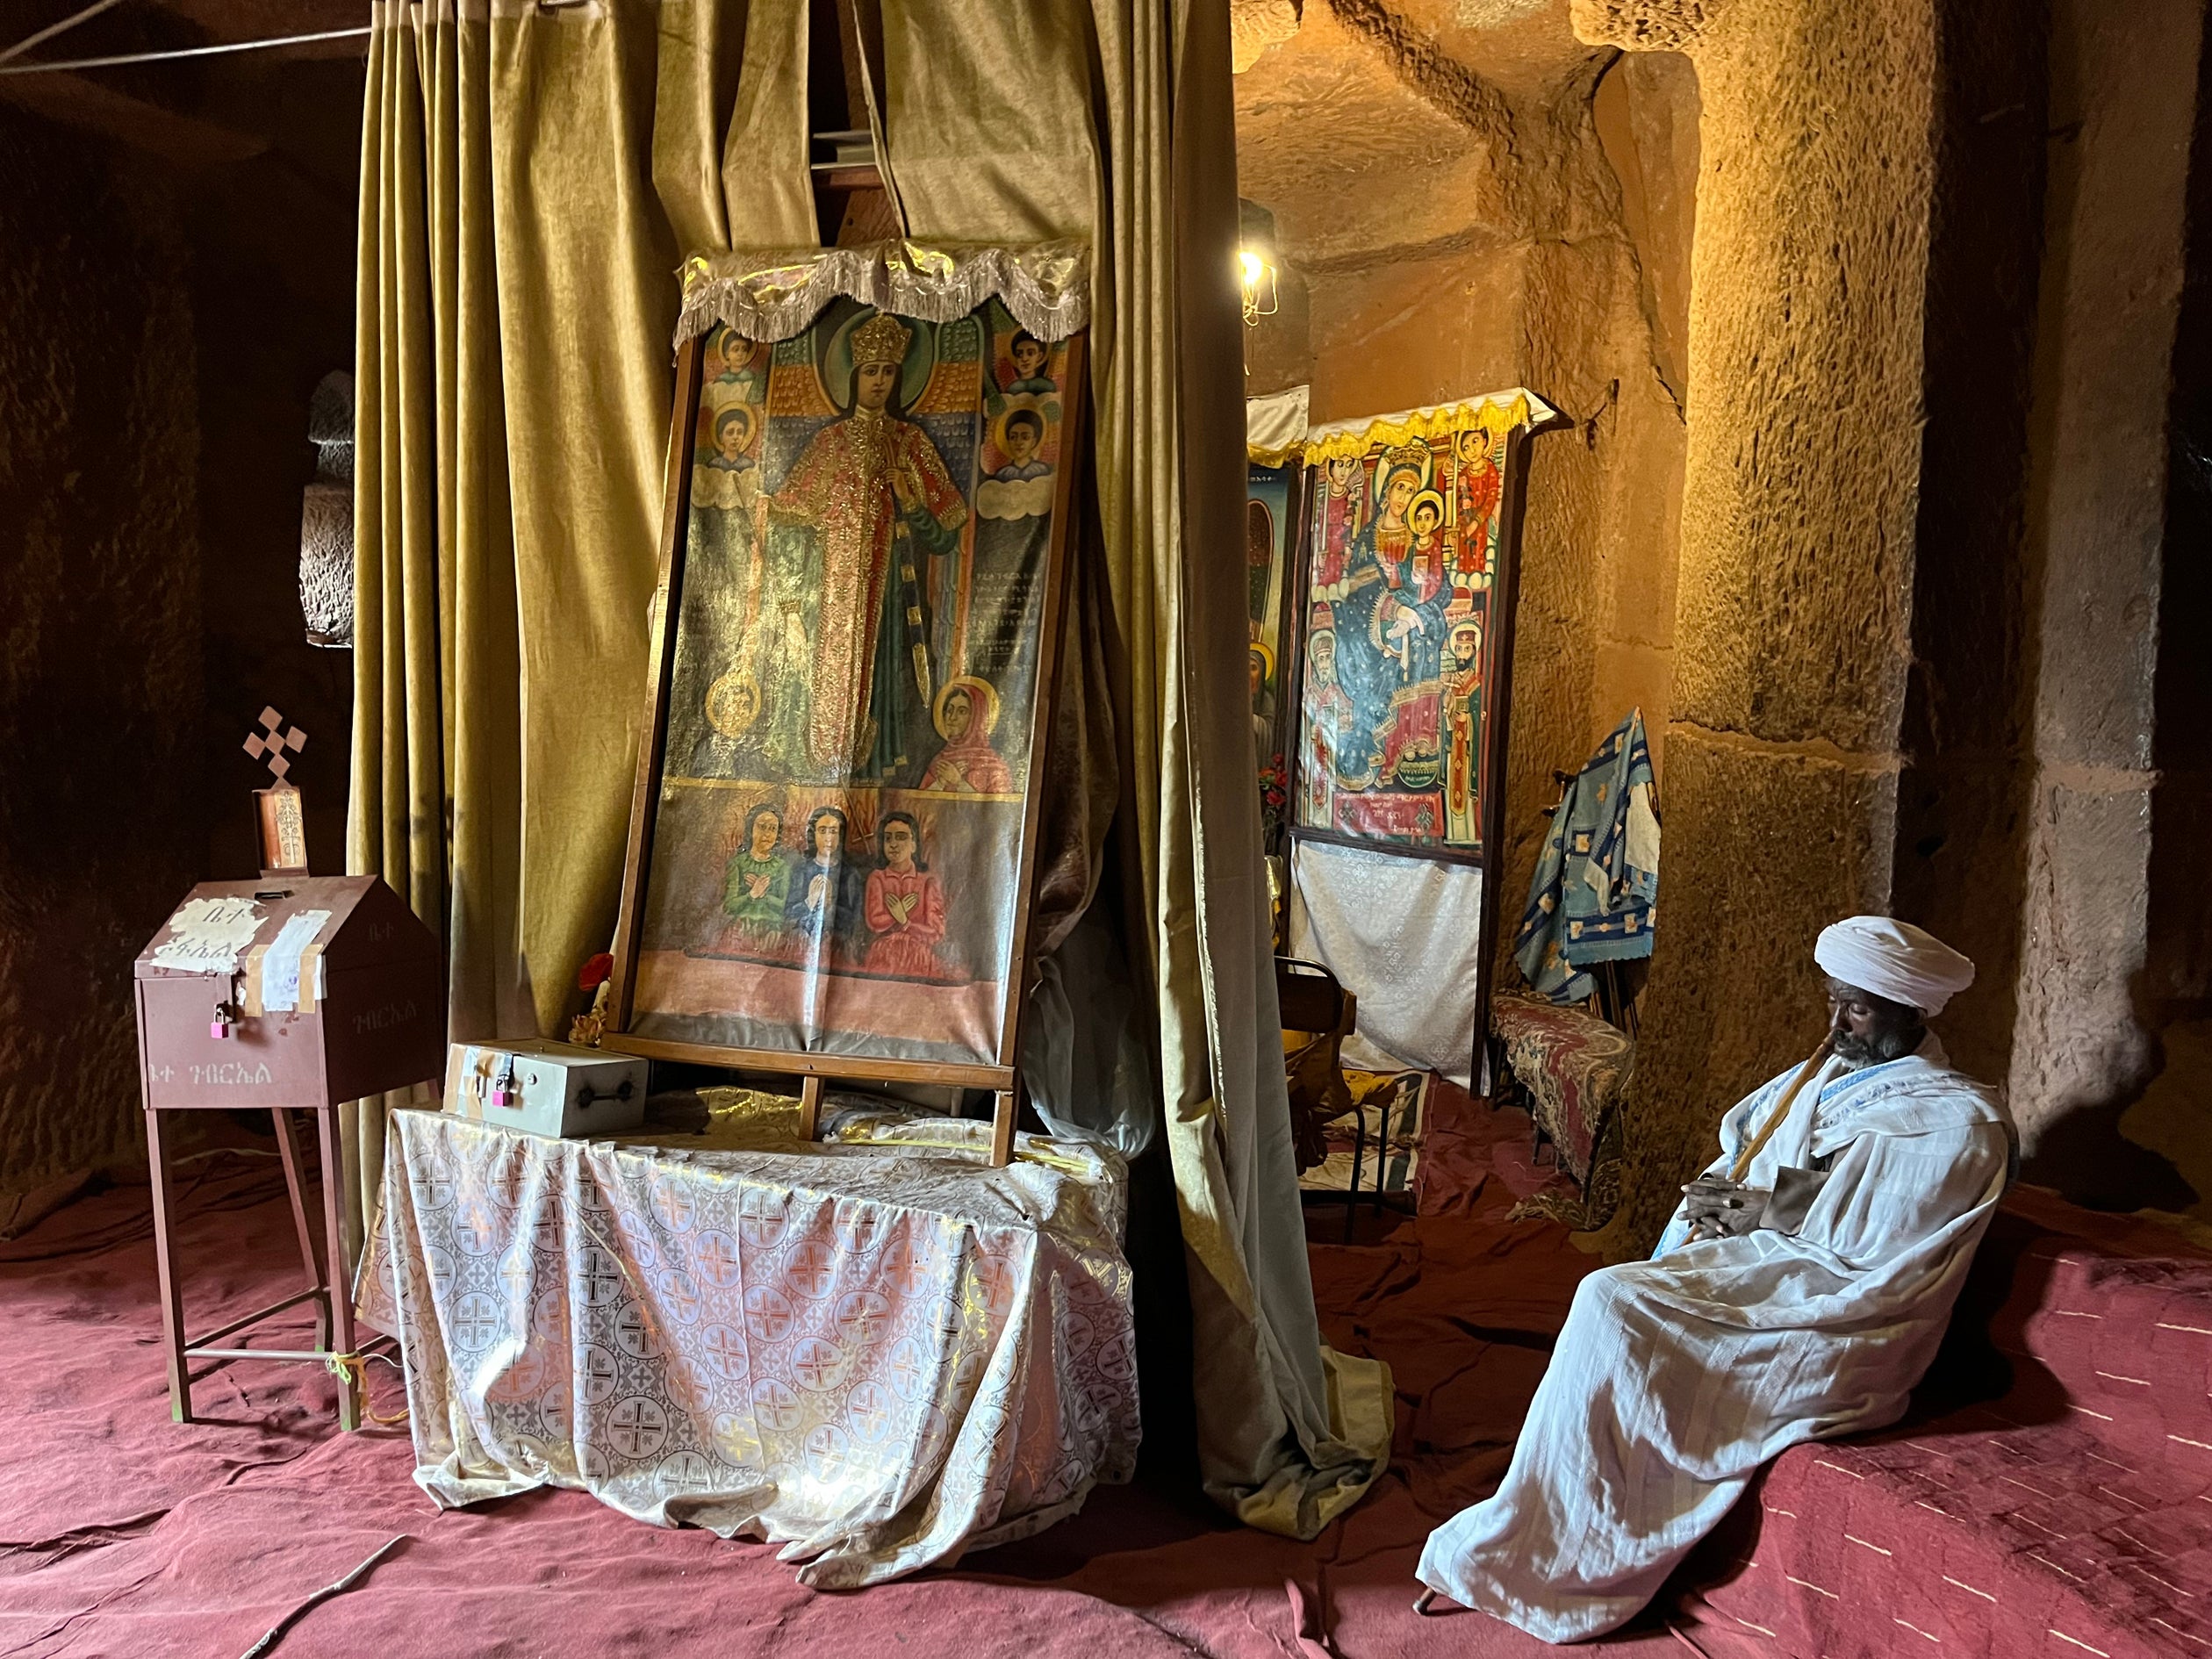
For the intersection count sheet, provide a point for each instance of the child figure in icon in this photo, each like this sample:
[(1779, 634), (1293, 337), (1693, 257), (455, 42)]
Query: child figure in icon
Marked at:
[(1025, 431), (1028, 353), (757, 881), (826, 895), (905, 906)]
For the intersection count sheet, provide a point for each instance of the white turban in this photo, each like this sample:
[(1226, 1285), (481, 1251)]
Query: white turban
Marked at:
[(1894, 960)]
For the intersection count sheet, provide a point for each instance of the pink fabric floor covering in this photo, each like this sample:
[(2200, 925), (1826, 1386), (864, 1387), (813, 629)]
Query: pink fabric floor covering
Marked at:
[(124, 1533)]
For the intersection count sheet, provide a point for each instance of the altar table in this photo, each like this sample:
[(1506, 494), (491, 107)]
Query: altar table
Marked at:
[(876, 1350)]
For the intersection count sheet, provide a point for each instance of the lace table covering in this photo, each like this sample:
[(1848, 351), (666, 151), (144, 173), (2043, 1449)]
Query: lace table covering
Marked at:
[(878, 1352)]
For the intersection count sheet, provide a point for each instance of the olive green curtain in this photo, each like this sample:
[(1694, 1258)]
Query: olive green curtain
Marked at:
[(512, 370), (1015, 120), (528, 179)]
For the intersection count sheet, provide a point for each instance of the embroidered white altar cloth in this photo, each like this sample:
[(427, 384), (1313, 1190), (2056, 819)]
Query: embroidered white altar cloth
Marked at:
[(878, 1353)]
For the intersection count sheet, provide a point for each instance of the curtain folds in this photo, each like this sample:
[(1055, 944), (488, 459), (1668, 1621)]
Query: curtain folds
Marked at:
[(530, 179)]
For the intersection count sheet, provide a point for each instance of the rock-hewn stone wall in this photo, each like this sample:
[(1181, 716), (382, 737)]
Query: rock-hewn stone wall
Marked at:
[(100, 641), (1914, 605), (2123, 107), (1925, 514), (1800, 495), (1452, 232), (173, 285)]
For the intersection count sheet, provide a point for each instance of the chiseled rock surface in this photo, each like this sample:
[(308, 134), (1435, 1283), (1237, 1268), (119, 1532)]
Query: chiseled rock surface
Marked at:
[(1458, 219), (100, 687)]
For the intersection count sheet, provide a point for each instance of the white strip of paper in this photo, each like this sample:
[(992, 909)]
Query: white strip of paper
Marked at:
[(207, 936), (280, 969)]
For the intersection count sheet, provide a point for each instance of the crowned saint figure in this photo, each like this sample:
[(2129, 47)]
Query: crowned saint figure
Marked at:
[(1370, 631), (874, 492), (1408, 628)]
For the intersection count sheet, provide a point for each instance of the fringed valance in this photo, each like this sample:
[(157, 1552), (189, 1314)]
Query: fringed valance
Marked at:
[(1276, 426), (1494, 413), (773, 295)]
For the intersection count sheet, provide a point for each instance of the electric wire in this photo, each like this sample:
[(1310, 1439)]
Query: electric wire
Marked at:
[(53, 29), (161, 57)]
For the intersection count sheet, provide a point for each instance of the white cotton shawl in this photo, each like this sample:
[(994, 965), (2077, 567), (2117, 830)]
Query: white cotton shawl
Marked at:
[(1675, 1379)]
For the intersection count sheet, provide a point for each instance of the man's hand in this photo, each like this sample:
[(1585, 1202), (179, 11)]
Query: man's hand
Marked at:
[(1722, 1209)]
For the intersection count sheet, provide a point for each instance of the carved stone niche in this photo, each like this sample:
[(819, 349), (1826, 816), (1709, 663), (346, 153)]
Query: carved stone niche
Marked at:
[(326, 517)]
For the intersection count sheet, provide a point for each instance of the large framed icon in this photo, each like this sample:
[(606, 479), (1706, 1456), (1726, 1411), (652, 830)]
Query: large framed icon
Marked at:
[(862, 563), (1406, 597), (1407, 591)]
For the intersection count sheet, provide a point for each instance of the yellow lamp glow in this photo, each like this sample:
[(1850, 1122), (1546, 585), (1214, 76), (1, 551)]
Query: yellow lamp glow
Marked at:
[(1256, 274)]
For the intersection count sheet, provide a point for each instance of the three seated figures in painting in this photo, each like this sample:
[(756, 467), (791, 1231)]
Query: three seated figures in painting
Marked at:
[(860, 601)]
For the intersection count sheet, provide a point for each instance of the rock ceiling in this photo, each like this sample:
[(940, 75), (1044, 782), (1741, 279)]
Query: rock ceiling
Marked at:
[(165, 110), (1376, 128)]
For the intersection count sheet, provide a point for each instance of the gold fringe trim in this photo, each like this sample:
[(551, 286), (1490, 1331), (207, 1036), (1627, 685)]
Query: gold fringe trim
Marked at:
[(1496, 414)]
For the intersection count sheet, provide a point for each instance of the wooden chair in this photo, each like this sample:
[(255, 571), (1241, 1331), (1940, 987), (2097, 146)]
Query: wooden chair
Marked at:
[(1317, 1009)]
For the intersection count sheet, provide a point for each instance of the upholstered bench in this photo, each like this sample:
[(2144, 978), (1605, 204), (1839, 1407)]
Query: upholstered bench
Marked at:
[(1570, 1069), (2049, 1494)]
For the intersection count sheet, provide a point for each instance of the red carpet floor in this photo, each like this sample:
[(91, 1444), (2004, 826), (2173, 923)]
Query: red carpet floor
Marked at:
[(123, 1534)]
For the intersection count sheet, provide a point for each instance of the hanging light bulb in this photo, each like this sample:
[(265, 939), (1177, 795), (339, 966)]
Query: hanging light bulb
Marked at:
[(1256, 275), (1256, 262)]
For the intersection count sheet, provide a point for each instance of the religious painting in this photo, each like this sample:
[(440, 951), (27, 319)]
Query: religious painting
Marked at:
[(853, 656), (1404, 603), (1271, 504)]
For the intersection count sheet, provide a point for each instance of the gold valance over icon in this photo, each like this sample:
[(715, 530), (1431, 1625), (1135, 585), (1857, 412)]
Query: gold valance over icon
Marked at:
[(776, 294)]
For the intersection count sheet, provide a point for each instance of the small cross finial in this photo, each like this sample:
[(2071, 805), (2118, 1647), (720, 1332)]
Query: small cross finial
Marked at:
[(276, 742)]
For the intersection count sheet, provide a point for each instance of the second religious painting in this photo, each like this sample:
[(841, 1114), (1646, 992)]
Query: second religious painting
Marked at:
[(1272, 493), (1402, 636), (876, 522)]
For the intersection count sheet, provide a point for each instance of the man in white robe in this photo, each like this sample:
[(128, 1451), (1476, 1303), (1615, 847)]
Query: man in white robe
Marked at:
[(1798, 1293)]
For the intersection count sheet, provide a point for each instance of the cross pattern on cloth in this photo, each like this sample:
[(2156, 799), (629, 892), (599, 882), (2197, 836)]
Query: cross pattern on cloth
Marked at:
[(878, 1354)]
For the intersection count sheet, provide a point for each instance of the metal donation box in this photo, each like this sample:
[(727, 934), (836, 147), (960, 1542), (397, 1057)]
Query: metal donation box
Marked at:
[(546, 1089), (292, 993)]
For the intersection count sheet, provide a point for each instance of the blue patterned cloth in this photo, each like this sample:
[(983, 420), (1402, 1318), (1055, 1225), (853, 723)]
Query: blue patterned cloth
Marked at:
[(1595, 895)]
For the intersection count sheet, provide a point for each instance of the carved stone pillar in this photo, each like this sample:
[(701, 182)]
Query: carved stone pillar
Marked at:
[(1800, 489)]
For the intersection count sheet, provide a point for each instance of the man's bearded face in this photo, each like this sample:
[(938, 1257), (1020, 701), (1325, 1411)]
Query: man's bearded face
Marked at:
[(1867, 1029)]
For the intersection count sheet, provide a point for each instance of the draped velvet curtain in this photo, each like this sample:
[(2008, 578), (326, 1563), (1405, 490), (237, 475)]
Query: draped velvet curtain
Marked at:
[(528, 181)]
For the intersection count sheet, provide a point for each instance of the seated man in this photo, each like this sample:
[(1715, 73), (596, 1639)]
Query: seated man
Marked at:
[(1798, 1293)]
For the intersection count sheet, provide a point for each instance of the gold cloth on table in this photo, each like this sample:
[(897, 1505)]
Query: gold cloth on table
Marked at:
[(877, 1351)]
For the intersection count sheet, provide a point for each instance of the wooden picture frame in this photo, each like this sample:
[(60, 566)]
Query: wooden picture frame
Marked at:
[(879, 1059), (1275, 495), (1500, 618)]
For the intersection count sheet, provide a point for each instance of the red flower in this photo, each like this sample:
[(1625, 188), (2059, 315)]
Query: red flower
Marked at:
[(596, 971)]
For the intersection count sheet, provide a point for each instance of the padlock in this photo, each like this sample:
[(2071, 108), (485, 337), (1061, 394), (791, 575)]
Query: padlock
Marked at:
[(220, 1026)]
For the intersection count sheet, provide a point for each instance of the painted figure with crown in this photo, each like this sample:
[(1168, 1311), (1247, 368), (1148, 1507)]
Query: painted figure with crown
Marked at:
[(1372, 625), (873, 492)]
